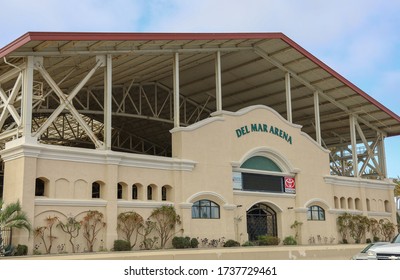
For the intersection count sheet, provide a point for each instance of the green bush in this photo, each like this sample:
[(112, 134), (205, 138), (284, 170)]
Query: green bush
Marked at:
[(264, 240), (122, 245), (194, 243), (289, 240), (181, 242), (231, 243), (21, 250), (248, 243)]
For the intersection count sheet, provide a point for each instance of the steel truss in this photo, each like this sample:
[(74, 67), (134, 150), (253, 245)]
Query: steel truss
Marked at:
[(38, 106), (75, 118)]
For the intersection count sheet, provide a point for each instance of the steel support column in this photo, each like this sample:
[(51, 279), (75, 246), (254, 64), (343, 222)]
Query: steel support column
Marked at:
[(382, 155), (317, 118), (107, 102), (27, 96), (176, 89), (354, 144), (288, 97), (218, 82)]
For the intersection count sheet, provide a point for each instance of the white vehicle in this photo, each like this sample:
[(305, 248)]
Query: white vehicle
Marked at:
[(364, 254), (390, 251)]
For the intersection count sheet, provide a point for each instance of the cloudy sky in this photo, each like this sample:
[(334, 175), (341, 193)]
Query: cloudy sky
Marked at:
[(360, 39)]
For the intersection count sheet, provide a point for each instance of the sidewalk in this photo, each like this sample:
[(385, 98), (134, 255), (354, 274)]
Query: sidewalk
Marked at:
[(314, 252)]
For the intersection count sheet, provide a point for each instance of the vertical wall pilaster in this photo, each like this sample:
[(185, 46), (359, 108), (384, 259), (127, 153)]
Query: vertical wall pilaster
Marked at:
[(110, 195)]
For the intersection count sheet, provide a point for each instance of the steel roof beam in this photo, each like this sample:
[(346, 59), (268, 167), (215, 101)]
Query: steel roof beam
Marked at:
[(273, 61)]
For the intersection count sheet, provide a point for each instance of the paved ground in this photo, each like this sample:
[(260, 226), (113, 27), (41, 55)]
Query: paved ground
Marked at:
[(315, 252)]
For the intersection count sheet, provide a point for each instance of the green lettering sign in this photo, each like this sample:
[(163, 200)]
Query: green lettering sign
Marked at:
[(263, 128)]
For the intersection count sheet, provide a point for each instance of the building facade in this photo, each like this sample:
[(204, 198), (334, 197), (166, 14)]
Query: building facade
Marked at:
[(244, 134)]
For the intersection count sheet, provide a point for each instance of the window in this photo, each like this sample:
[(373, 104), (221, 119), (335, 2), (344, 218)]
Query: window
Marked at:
[(95, 190), (39, 187), (164, 193), (205, 209), (135, 192), (315, 213), (119, 191), (149, 193)]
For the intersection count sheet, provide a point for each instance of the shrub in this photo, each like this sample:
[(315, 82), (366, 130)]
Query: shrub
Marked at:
[(289, 240), (122, 245), (231, 243), (248, 243), (194, 243), (21, 250), (264, 240), (368, 240), (181, 242)]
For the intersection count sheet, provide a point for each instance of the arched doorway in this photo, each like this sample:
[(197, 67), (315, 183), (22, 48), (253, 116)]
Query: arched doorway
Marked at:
[(261, 220)]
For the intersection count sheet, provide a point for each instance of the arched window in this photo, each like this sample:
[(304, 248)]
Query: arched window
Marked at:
[(261, 163), (315, 213), (164, 193), (134, 191), (96, 189), (40, 185), (122, 190), (205, 209), (119, 191), (149, 192)]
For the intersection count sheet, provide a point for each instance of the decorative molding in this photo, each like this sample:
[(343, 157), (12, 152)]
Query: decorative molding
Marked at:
[(342, 211), (193, 197), (197, 125), (50, 152), (248, 109), (143, 204), (359, 212), (301, 210), (272, 154), (318, 201), (264, 194), (302, 133), (229, 207), (185, 205), (382, 214), (358, 182), (70, 202)]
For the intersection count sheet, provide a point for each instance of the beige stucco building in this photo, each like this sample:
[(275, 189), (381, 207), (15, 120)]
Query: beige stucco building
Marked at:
[(244, 134)]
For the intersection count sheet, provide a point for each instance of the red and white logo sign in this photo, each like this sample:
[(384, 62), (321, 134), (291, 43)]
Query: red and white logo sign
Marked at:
[(290, 185)]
